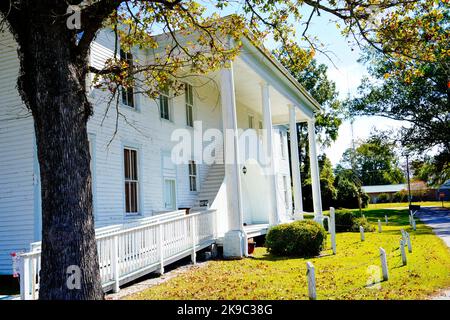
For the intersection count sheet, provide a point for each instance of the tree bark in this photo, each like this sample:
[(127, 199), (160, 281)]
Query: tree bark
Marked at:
[(52, 84)]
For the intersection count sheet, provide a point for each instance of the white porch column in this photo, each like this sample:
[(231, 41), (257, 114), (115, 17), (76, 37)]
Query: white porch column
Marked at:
[(295, 164), (234, 240), (267, 120), (315, 176)]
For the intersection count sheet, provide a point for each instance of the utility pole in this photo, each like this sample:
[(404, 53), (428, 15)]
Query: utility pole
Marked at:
[(407, 174)]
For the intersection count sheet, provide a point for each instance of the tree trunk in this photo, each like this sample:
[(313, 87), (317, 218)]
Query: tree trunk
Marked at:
[(52, 84)]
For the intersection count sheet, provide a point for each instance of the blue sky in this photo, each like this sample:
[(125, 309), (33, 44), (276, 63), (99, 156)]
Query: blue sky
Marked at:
[(345, 71), (347, 74)]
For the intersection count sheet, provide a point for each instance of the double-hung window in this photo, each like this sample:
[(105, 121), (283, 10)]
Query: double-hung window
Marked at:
[(192, 176), (164, 104), (189, 98), (127, 94), (131, 181)]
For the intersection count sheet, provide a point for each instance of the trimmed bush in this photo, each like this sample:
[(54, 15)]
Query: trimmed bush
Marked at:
[(304, 238), (344, 220), (383, 198), (364, 223)]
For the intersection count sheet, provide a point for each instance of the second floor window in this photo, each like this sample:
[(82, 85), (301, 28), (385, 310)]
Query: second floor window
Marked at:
[(189, 105), (164, 106), (131, 181), (127, 93), (192, 176)]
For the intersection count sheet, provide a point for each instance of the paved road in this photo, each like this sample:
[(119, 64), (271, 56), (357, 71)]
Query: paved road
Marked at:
[(438, 219)]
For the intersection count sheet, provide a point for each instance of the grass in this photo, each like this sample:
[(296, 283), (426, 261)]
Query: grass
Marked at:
[(345, 275), (405, 204)]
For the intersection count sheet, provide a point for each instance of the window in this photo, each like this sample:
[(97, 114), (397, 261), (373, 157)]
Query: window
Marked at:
[(282, 145), (127, 93), (189, 105), (250, 121), (260, 125), (131, 181), (192, 176), (164, 106), (285, 192)]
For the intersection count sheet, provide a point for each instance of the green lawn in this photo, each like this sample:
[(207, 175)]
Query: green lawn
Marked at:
[(405, 204), (341, 276)]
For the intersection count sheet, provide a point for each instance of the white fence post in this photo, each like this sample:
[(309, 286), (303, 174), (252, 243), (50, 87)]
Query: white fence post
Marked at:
[(379, 225), (361, 232), (410, 218), (403, 236), (194, 236), (414, 224), (310, 273), (402, 250), (386, 219), (115, 262), (332, 228), (384, 266), (160, 245), (408, 240), (24, 268)]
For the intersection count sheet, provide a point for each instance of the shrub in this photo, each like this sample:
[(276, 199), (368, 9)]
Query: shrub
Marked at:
[(344, 220), (400, 196), (303, 238), (383, 198), (362, 222)]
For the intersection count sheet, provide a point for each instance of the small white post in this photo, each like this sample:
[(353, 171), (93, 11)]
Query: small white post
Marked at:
[(333, 229), (384, 266), (386, 219), (115, 262), (403, 236), (160, 245), (414, 224), (410, 219), (310, 273), (379, 225), (361, 231), (408, 241), (194, 234), (364, 216), (402, 250)]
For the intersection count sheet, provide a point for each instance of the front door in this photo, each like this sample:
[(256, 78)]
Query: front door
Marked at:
[(169, 194)]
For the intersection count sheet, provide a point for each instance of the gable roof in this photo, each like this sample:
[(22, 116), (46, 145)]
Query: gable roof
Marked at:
[(384, 188)]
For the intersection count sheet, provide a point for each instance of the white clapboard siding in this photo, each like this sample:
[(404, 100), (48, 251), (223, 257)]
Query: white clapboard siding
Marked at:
[(17, 223), (148, 133)]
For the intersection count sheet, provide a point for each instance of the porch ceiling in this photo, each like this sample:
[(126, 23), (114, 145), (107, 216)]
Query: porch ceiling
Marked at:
[(248, 93)]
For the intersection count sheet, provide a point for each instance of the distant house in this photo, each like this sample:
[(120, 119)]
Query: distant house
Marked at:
[(390, 189), (445, 189)]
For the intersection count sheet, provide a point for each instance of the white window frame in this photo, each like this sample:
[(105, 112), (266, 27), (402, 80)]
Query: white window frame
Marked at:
[(193, 175), (189, 104), (124, 93), (128, 180), (166, 95)]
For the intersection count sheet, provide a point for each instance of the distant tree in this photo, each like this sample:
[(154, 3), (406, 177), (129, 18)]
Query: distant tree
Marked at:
[(434, 170), (374, 161), (348, 188), (327, 188)]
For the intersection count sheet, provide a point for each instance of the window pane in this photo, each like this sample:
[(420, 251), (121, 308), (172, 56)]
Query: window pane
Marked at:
[(189, 117)]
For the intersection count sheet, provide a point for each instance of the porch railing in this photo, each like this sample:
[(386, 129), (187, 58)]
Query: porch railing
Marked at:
[(129, 251)]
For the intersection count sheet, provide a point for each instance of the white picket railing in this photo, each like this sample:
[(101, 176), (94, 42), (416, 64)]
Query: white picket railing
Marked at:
[(126, 252)]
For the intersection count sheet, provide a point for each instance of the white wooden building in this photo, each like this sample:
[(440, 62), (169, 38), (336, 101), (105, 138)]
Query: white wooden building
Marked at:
[(134, 175)]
